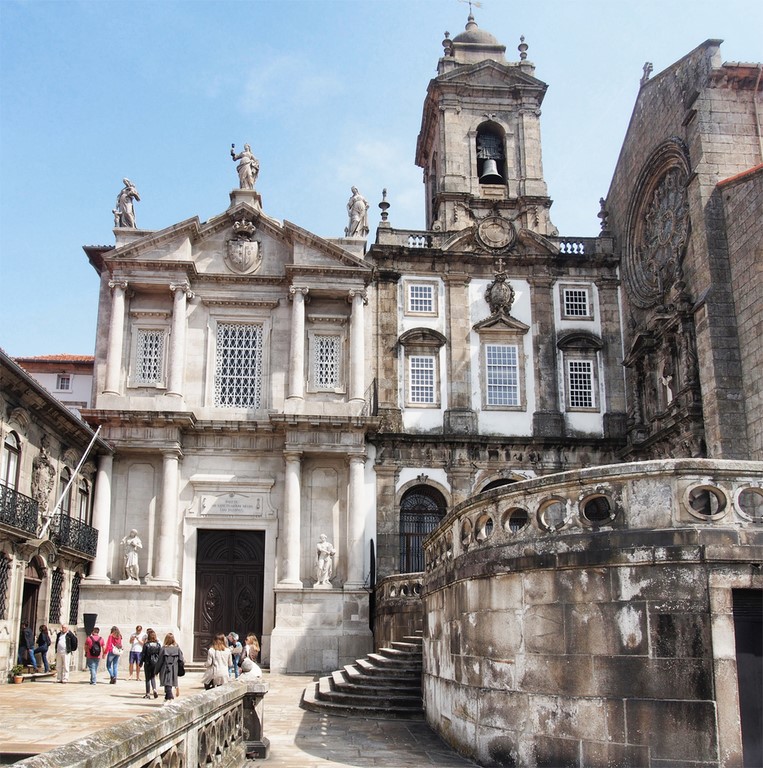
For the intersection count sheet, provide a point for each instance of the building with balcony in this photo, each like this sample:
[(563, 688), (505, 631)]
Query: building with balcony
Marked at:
[(47, 495)]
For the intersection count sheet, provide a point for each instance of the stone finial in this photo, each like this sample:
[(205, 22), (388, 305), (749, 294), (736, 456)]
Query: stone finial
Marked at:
[(603, 215), (384, 205), (447, 45), (124, 211), (647, 72), (522, 48)]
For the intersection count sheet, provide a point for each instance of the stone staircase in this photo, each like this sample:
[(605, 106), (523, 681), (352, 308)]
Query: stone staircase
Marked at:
[(385, 685)]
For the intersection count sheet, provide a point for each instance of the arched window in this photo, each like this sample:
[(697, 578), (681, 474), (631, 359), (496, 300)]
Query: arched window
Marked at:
[(421, 509), (83, 498), (11, 454), (491, 157), (66, 501)]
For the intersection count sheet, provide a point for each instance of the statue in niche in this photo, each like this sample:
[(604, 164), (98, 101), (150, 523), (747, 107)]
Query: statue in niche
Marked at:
[(248, 167), (124, 213), (132, 544), (357, 208), (324, 566), (43, 477)]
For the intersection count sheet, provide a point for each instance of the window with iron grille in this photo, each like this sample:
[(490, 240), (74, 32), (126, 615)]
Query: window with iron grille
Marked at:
[(5, 572), (238, 365), (421, 299), (326, 361), (580, 384), (74, 602), (421, 379), (56, 591), (502, 374), (576, 302), (421, 509), (149, 357)]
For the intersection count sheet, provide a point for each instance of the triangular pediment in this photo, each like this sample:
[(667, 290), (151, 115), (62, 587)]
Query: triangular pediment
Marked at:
[(490, 73), (501, 322), (526, 243), (241, 241)]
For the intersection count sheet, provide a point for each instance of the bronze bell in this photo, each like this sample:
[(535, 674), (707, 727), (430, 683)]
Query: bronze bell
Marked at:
[(490, 174)]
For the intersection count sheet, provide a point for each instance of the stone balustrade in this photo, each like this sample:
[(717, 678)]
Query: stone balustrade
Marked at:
[(214, 728), (399, 611), (567, 614)]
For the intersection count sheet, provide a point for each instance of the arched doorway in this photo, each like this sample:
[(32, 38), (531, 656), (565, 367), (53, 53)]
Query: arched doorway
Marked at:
[(421, 509)]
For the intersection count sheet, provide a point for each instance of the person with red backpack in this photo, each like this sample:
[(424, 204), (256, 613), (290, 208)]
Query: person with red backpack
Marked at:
[(94, 647)]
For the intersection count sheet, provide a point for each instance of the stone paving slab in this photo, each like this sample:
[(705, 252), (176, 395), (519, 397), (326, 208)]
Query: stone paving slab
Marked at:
[(38, 716)]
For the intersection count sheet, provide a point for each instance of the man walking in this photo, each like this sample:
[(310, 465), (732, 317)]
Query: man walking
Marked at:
[(66, 643), (93, 653), (26, 646)]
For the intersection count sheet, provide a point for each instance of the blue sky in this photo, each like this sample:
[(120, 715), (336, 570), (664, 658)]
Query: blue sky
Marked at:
[(327, 92)]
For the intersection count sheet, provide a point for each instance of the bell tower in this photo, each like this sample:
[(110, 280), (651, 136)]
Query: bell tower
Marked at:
[(479, 143)]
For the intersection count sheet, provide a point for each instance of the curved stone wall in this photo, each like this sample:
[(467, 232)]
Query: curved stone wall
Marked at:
[(584, 618)]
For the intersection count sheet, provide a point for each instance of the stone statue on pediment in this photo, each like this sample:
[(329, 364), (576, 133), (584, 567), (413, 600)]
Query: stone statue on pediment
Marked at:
[(248, 167), (124, 212), (357, 209)]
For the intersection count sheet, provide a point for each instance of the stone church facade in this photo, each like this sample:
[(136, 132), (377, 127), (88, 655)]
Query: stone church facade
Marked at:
[(407, 398)]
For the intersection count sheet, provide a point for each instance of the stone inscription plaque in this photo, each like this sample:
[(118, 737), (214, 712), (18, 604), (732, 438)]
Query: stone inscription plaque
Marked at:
[(236, 505)]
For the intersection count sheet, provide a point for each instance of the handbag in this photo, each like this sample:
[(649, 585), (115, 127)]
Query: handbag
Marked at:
[(116, 650), (181, 668)]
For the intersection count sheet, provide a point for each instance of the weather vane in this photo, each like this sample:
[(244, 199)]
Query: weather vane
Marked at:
[(474, 3)]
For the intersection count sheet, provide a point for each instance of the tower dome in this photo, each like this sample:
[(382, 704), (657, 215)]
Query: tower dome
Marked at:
[(473, 34), (475, 44)]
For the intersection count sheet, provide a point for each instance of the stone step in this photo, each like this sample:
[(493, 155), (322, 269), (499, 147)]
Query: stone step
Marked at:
[(394, 661), (391, 700), (406, 647), (356, 675), (311, 702), (401, 654), (371, 686), (390, 670), (414, 640)]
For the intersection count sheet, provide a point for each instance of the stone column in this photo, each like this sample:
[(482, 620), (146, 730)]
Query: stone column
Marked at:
[(116, 333), (166, 548), (356, 524), (459, 416), (182, 293), (102, 517), (289, 540), (297, 361), (547, 419), (357, 345)]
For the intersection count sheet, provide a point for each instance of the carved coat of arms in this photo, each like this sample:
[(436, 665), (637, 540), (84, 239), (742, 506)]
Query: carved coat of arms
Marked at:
[(243, 252)]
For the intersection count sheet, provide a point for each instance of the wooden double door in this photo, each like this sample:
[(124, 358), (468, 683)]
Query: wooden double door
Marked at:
[(230, 570)]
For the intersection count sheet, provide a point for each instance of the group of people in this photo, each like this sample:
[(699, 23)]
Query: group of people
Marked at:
[(163, 660), (226, 656)]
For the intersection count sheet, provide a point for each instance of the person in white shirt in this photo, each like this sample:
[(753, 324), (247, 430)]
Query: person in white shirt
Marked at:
[(137, 639), (66, 643)]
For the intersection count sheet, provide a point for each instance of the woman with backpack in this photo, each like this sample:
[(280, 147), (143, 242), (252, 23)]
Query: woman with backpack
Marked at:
[(149, 660)]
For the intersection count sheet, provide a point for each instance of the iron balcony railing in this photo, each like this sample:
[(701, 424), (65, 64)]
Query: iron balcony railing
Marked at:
[(18, 510), (74, 534)]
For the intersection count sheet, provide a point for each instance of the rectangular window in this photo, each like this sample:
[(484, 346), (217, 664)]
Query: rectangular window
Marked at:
[(580, 383), (326, 361), (149, 357), (576, 303), (421, 299), (421, 379), (63, 382), (502, 374), (238, 365)]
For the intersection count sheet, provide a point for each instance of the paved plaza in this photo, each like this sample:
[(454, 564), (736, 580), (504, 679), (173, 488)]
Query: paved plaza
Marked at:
[(41, 715)]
